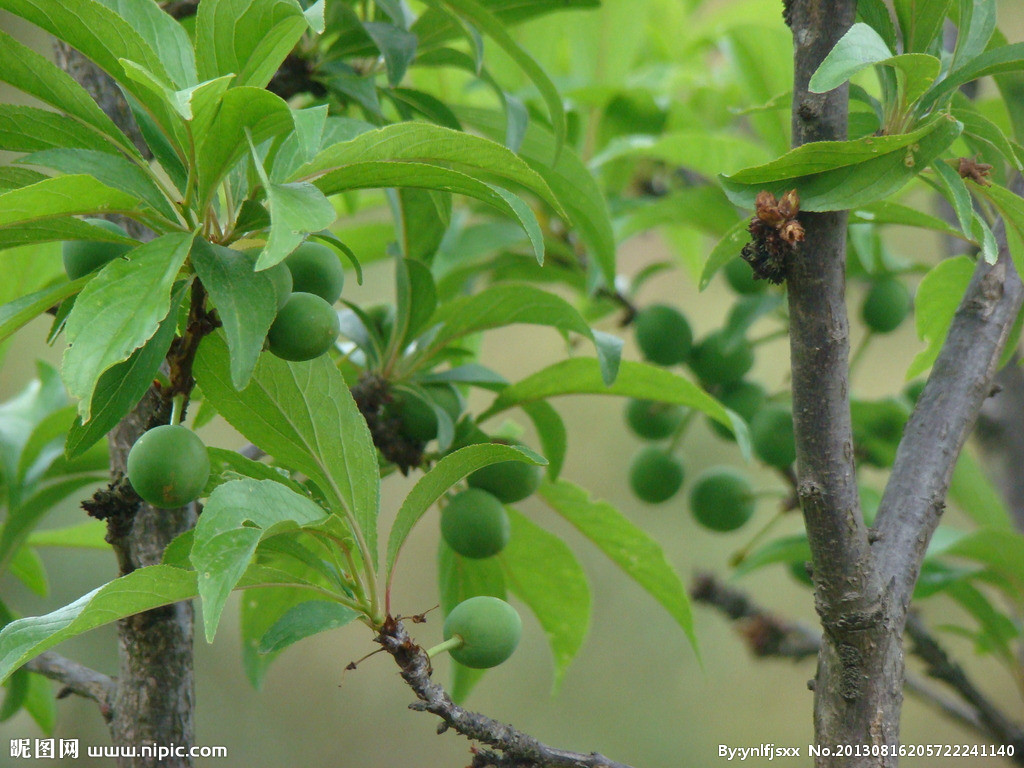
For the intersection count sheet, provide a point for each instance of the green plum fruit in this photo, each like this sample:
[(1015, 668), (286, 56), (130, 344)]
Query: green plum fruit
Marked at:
[(316, 269), (306, 327), (663, 334), (771, 434), (720, 360), (653, 420), (654, 475), (740, 277), (886, 305), (508, 481), (475, 524), (489, 629), (168, 466), (745, 398), (721, 499)]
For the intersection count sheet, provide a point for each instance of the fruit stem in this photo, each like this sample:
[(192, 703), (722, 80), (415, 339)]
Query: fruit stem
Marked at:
[(177, 406), (677, 436), (454, 642), (744, 552)]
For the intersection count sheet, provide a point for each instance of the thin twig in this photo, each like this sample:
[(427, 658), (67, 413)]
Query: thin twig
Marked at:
[(77, 679), (511, 747), (767, 635)]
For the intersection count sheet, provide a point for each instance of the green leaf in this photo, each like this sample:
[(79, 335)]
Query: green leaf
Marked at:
[(396, 45), (246, 303), (37, 76), (18, 313), (228, 465), (302, 414), (976, 24), (27, 568), (261, 608), (113, 170), (574, 186), (554, 440), (295, 210), (639, 380), (727, 249), (876, 14), (223, 544), (984, 131), (141, 590), (421, 218), (121, 37), (30, 129), (442, 476), (59, 197), (920, 22), (972, 491), (787, 549), (120, 387), (305, 620), (1011, 208), (90, 535), (248, 38), (241, 112), (997, 548), (502, 305), (491, 26), (702, 151), (416, 300), (21, 519), (118, 311), (836, 175), (460, 578), (888, 212), (1004, 59), (954, 189), (164, 35), (935, 303), (40, 703), (422, 143), (639, 555), (377, 174), (542, 571)]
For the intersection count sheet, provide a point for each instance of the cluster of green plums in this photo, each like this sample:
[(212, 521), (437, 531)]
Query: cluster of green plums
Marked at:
[(168, 466), (307, 284), (474, 522)]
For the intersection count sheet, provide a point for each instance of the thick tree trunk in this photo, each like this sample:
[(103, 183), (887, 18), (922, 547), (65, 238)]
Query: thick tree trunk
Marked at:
[(155, 696), (859, 682), (864, 579)]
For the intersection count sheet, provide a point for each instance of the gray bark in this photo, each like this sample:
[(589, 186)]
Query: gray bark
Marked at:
[(154, 700), (864, 579)]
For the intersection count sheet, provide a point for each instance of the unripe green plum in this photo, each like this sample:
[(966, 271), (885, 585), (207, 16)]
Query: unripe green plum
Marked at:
[(84, 256), (771, 434), (745, 398), (306, 327), (721, 499), (168, 466), (316, 269), (475, 524), (508, 481), (489, 629), (653, 420), (419, 421), (720, 360), (281, 277), (914, 390), (740, 277), (654, 475), (798, 570), (663, 334), (887, 305)]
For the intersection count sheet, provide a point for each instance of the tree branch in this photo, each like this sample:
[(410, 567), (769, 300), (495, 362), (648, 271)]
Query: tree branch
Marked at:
[(515, 747), (961, 380), (78, 679), (768, 636), (941, 667)]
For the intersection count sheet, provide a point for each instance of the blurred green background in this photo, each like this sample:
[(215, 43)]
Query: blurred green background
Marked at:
[(637, 692)]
